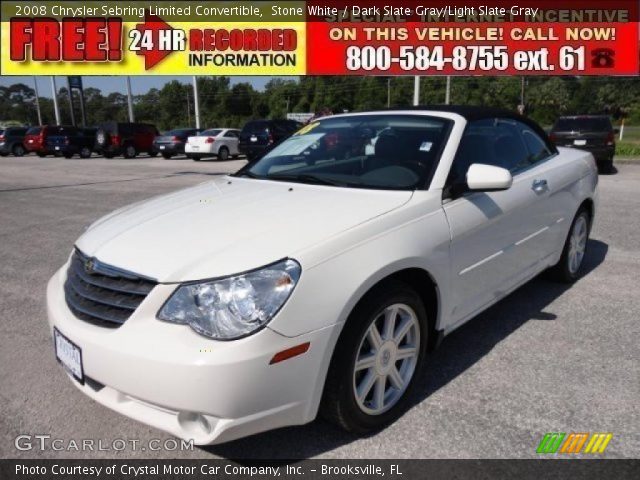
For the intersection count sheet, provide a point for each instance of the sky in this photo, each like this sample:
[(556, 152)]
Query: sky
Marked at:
[(109, 84)]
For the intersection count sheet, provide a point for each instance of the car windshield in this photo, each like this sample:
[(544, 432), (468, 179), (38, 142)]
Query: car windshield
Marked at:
[(397, 152), (589, 124), (210, 133)]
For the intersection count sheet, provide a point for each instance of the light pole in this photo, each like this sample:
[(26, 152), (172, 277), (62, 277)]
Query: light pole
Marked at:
[(416, 90), (35, 88), (196, 106), (54, 91), (447, 96), (73, 117), (130, 100)]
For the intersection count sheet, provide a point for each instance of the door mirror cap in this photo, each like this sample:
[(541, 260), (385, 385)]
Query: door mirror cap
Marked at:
[(488, 178)]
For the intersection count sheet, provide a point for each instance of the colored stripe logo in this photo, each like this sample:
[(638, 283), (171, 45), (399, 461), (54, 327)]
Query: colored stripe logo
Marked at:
[(557, 442)]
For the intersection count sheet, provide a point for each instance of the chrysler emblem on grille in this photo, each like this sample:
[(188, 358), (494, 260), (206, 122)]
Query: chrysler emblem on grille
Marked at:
[(89, 265)]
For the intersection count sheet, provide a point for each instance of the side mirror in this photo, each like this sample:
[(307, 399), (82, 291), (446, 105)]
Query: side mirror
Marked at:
[(488, 178)]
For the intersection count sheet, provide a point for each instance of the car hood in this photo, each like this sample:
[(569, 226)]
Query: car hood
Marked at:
[(228, 226)]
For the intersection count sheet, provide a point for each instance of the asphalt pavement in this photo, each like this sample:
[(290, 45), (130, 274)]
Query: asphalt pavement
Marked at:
[(548, 358)]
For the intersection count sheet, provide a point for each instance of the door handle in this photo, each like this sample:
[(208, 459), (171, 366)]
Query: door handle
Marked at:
[(540, 186)]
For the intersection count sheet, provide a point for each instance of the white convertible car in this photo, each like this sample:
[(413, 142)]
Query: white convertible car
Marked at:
[(317, 278)]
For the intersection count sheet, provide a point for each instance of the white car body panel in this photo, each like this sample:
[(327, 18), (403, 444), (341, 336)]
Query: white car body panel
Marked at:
[(198, 145), (476, 249)]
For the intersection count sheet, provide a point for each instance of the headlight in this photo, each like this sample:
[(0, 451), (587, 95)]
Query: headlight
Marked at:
[(233, 307)]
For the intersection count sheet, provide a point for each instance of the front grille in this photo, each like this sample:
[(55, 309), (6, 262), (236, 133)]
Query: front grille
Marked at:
[(101, 294)]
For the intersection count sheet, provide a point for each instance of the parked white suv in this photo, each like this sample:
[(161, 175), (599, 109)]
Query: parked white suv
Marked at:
[(317, 278), (215, 142)]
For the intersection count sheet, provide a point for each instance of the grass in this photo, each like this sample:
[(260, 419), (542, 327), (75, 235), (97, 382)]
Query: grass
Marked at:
[(630, 144)]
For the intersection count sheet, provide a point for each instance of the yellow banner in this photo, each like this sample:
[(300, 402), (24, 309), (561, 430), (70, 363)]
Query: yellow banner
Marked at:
[(152, 38)]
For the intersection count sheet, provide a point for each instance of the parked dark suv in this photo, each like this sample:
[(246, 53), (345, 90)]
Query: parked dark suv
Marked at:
[(172, 142), (259, 136), (126, 139), (11, 141), (69, 141), (35, 140), (593, 133)]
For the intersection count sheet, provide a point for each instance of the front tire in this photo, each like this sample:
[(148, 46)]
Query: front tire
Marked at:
[(380, 354), (569, 268)]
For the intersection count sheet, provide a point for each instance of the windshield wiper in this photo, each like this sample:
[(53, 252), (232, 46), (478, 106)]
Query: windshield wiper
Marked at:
[(307, 178), (247, 173)]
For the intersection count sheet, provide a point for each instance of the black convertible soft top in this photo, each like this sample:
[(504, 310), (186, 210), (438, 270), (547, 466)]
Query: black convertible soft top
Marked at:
[(473, 112)]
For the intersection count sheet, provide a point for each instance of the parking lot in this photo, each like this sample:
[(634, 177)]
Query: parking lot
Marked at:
[(546, 359)]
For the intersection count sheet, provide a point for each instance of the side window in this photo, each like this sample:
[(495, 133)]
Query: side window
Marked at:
[(492, 142), (231, 134), (510, 150), (475, 147), (538, 149)]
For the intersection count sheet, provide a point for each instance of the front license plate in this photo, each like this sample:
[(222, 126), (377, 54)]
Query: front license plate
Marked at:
[(254, 138), (161, 147), (579, 143), (57, 148), (69, 355)]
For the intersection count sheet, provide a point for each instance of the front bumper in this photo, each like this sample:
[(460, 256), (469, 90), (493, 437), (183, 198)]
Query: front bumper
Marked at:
[(168, 376)]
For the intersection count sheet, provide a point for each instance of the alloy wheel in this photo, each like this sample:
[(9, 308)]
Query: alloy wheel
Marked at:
[(386, 359), (577, 244)]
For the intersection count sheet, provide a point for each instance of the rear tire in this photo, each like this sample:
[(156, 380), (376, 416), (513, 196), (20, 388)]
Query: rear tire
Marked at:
[(166, 156), (569, 268), (372, 375), (42, 155), (85, 152), (18, 150), (130, 151), (606, 167), (223, 154), (153, 154)]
